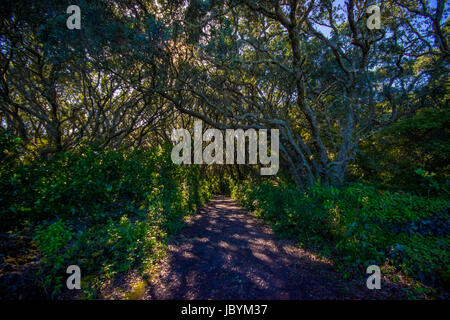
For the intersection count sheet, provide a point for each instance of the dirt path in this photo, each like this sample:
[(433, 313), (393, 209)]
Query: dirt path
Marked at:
[(227, 253)]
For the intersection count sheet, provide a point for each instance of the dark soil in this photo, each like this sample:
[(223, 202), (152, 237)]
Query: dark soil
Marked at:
[(226, 252)]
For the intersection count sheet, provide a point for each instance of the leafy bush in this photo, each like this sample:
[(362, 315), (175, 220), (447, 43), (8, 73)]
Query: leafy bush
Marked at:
[(364, 224), (106, 211), (411, 154), (426, 257), (53, 241)]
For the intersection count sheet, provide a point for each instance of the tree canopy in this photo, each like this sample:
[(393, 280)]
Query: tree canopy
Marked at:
[(312, 69)]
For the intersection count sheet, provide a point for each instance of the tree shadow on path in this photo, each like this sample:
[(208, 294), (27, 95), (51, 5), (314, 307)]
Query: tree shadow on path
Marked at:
[(225, 252)]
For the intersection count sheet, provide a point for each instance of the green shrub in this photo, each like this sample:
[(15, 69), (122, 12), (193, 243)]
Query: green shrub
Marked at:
[(54, 242), (426, 257), (399, 156), (363, 223), (104, 210)]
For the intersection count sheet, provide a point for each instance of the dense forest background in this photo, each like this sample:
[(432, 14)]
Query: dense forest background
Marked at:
[(86, 117)]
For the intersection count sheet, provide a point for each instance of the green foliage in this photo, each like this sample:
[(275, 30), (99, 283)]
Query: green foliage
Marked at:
[(427, 257), (411, 154), (10, 148), (106, 211), (54, 243), (366, 225)]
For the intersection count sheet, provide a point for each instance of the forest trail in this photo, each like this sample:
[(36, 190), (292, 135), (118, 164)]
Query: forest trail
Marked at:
[(226, 252)]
